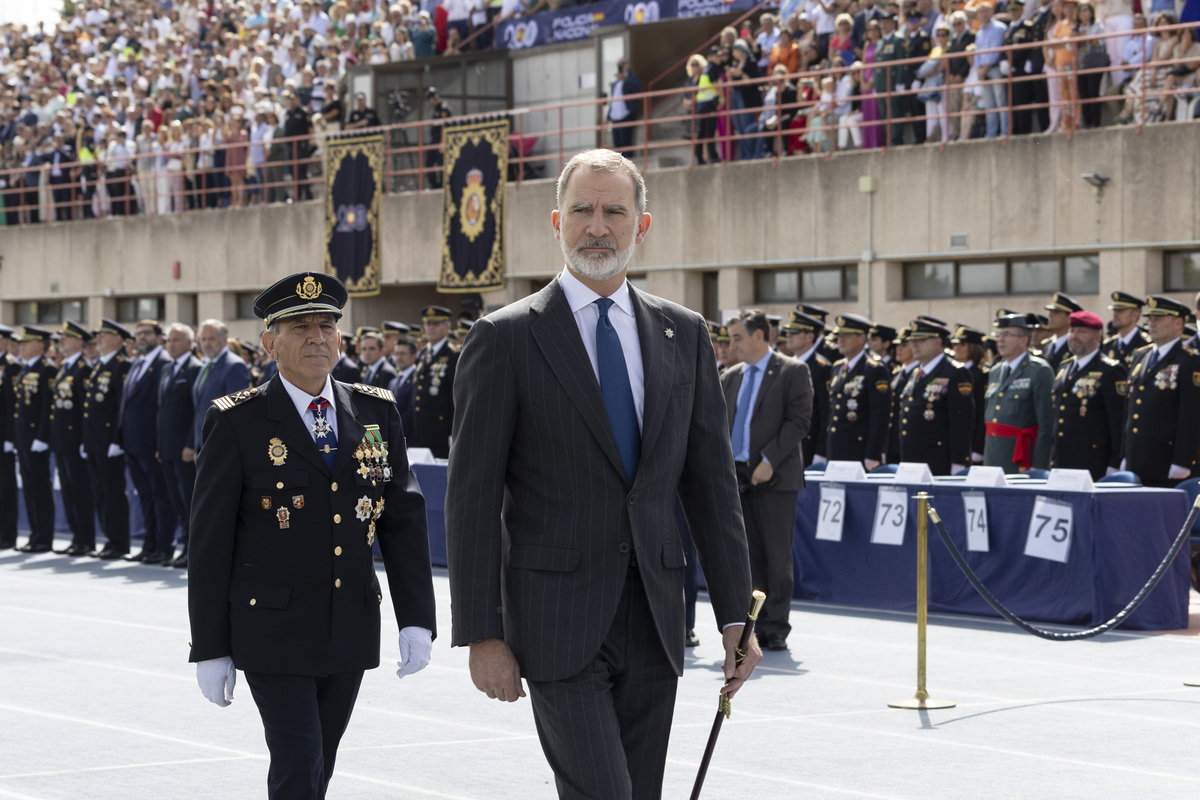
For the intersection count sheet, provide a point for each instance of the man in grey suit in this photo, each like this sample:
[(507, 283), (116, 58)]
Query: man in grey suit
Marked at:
[(221, 373), (768, 402), (579, 412)]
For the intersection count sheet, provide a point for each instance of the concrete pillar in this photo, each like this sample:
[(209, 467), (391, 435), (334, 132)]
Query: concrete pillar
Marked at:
[(735, 288), (685, 287)]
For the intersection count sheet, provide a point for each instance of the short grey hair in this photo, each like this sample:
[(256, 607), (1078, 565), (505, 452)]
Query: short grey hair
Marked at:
[(604, 161), (186, 330), (216, 323)]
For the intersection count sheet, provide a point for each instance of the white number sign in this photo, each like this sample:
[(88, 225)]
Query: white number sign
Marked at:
[(976, 517), (832, 514), (1050, 529), (891, 516)]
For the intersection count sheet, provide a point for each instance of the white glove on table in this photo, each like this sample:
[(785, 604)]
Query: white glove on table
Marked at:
[(1122, 468), (819, 459), (416, 646), (115, 450), (39, 446), (1110, 471), (217, 677)]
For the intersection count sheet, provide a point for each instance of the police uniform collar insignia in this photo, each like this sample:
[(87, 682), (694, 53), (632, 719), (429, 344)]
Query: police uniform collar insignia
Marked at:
[(277, 451)]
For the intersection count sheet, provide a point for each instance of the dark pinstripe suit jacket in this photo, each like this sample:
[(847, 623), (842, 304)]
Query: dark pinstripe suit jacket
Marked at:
[(540, 519)]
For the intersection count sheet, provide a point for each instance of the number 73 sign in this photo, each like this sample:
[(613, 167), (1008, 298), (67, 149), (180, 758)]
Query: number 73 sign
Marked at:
[(1050, 529)]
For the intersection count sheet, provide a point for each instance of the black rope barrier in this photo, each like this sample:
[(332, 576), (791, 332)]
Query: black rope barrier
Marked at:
[(1053, 636)]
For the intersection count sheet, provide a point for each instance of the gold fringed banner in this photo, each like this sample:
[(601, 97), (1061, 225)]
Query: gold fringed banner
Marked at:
[(476, 167), (353, 196)]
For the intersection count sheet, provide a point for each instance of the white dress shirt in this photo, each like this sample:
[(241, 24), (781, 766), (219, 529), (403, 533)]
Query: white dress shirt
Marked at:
[(301, 399), (583, 305)]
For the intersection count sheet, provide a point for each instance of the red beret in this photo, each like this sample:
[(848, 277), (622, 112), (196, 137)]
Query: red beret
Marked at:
[(1086, 319)]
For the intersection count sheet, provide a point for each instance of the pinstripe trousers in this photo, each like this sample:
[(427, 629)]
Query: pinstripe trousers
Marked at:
[(605, 730)]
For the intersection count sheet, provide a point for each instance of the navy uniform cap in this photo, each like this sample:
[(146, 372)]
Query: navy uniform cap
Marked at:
[(714, 329), (464, 327), (1005, 312), (934, 320), (1125, 300), (723, 336), (301, 294), (112, 326), (852, 323), (435, 314), (76, 330), (361, 329), (31, 333), (1021, 321), (1063, 302), (965, 334), (885, 332), (774, 319), (1160, 306), (813, 311), (6, 331), (902, 335), (799, 322), (924, 329), (389, 326)]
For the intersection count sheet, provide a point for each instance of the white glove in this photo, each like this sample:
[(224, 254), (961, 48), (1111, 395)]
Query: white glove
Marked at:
[(217, 677), (956, 468), (39, 446), (819, 459), (1177, 472), (1110, 471), (8, 447), (1028, 67), (416, 646), (82, 453), (976, 458), (1005, 68), (1122, 469), (115, 450)]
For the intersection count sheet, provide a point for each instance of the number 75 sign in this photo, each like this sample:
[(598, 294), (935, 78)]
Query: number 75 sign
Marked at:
[(1050, 529)]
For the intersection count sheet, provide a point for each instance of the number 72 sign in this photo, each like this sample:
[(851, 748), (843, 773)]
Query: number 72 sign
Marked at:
[(1050, 529)]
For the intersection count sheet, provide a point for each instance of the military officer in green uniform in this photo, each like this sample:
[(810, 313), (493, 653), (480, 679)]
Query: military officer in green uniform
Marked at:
[(859, 398), (1162, 426), (295, 482), (804, 335), (1019, 414), (433, 384), (890, 48), (1128, 337), (66, 437), (937, 414)]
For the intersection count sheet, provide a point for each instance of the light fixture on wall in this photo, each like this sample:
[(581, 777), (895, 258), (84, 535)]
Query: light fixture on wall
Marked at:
[(1096, 181)]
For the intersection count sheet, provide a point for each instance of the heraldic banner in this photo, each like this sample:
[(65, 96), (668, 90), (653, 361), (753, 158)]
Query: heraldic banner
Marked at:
[(353, 196), (476, 165)]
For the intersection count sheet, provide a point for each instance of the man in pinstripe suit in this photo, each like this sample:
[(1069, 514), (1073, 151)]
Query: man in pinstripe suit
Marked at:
[(566, 567)]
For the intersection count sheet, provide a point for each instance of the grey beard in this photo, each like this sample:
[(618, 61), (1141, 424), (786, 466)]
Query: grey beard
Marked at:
[(597, 268)]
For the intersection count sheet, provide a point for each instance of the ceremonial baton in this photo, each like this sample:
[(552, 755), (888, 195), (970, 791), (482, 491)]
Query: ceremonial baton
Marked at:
[(725, 707)]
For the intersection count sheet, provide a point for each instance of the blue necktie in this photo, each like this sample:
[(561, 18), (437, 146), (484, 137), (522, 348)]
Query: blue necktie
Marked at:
[(743, 412), (618, 396), (1153, 359), (323, 433)]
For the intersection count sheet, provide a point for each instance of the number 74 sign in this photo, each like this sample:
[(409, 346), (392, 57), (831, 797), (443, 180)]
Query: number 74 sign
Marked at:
[(1050, 529)]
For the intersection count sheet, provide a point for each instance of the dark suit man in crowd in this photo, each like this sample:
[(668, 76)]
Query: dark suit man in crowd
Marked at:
[(1127, 336), (10, 368), (1020, 417), (101, 437), (769, 404), (581, 411), (1089, 402), (1162, 426), (433, 384), (401, 387), (139, 439), (624, 111), (376, 369), (859, 397), (937, 414), (804, 340), (295, 481), (968, 349), (1058, 321), (66, 437), (31, 427), (176, 432), (906, 363), (221, 373)]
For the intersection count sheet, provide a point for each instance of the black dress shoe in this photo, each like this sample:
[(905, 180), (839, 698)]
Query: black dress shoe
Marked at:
[(690, 640), (66, 551), (31, 548), (109, 553), (152, 558), (136, 556), (776, 642), (180, 562)]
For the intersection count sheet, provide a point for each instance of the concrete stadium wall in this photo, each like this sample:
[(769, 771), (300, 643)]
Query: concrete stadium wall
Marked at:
[(1023, 198)]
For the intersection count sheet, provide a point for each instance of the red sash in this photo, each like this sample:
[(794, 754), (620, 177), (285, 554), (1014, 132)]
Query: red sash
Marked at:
[(1026, 439)]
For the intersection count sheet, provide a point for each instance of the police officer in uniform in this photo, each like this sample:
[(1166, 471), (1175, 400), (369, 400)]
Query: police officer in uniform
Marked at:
[(9, 370), (1019, 415), (859, 398), (1089, 402), (828, 343), (906, 363), (1128, 337), (101, 437), (433, 389), (882, 341), (937, 414), (66, 437), (968, 344), (1162, 426), (295, 482), (1058, 323), (31, 429), (804, 340)]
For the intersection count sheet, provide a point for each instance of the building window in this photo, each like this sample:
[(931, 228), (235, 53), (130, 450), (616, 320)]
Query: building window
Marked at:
[(816, 283), (1182, 271), (935, 279), (245, 305), (132, 309), (50, 312)]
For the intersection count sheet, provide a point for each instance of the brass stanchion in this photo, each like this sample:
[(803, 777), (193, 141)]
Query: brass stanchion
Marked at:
[(921, 698)]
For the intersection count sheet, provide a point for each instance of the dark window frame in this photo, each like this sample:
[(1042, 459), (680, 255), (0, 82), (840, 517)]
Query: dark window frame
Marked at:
[(1168, 286), (958, 263), (844, 281)]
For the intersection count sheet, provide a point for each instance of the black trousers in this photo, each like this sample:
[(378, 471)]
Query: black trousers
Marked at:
[(39, 495), (180, 477), (117, 184), (770, 518), (706, 136), (1089, 89), (78, 503), (303, 719), (112, 504), (623, 139), (157, 513), (8, 500), (33, 213), (605, 730)]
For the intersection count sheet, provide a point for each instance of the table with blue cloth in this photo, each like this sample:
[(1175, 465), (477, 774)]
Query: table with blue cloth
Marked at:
[(1119, 538)]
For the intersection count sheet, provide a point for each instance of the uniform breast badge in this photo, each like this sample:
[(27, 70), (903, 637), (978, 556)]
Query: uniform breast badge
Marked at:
[(362, 509), (298, 501), (372, 456), (284, 516), (321, 427), (266, 503), (277, 451)]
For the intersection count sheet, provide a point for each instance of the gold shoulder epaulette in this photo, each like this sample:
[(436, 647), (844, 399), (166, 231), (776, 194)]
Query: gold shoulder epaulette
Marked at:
[(1144, 348), (454, 346), (375, 391), (1112, 362), (822, 360), (236, 399)]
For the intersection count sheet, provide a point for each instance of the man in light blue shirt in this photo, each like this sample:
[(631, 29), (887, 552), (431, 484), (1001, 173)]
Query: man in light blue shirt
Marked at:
[(992, 90)]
